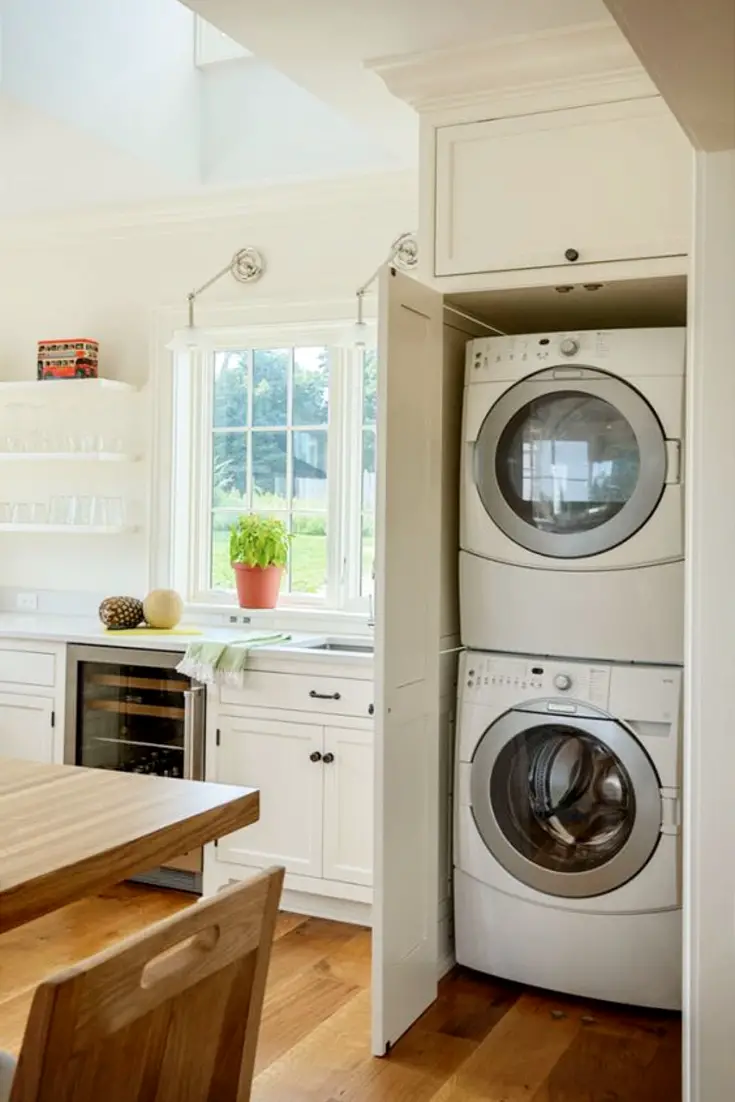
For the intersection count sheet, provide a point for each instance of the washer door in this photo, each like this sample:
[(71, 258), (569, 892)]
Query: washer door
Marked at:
[(570, 807), (570, 462)]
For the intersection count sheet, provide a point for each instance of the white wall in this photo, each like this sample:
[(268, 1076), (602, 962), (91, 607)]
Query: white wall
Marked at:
[(108, 276), (248, 107), (120, 72), (710, 702)]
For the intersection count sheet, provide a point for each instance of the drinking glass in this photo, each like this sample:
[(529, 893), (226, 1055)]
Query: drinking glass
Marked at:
[(61, 511), (82, 511), (22, 512)]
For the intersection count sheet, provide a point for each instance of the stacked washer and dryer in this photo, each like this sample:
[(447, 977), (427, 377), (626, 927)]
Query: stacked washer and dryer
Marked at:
[(567, 844)]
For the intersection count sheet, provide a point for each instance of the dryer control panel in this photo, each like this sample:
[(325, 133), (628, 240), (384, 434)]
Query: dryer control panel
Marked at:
[(505, 681), (628, 353), (494, 357)]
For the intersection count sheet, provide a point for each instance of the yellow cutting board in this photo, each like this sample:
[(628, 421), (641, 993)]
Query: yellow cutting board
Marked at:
[(153, 631)]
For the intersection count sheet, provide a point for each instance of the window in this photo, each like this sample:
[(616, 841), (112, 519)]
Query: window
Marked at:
[(284, 428)]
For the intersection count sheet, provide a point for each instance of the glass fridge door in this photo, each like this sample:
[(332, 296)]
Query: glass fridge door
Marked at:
[(131, 718)]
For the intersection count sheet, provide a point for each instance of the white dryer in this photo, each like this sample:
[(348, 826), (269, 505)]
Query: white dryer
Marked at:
[(567, 846), (572, 504)]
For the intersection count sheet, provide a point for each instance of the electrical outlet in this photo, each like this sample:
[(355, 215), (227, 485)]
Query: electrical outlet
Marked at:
[(27, 602)]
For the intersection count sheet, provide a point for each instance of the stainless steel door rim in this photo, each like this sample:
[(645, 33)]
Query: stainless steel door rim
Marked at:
[(646, 815), (633, 513)]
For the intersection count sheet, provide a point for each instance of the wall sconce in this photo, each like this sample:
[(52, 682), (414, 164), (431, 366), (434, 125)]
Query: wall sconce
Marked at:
[(404, 254), (246, 266)]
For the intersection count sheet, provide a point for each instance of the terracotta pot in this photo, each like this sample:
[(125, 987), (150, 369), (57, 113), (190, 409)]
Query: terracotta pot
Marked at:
[(257, 586)]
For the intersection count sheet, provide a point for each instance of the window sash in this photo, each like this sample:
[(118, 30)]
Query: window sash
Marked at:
[(194, 439)]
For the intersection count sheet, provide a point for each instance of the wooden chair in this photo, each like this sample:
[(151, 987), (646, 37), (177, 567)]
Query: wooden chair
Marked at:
[(170, 1015)]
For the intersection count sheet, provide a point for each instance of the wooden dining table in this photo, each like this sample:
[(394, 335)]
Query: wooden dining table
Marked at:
[(68, 832)]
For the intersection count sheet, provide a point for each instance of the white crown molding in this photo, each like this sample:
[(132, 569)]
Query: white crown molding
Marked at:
[(168, 216), (517, 68)]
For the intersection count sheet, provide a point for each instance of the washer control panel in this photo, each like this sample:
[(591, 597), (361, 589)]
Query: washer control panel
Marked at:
[(505, 680), (504, 357)]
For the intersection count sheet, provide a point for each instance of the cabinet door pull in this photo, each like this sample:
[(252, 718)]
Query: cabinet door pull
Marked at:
[(315, 756), (371, 709), (324, 696), (328, 759)]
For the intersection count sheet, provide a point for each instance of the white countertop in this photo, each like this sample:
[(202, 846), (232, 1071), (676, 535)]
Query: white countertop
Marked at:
[(89, 631)]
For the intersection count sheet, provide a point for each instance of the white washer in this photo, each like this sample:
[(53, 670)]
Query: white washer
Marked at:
[(567, 846), (572, 504)]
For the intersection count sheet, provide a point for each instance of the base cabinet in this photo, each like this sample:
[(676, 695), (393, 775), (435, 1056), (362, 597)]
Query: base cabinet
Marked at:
[(316, 810), (348, 806), (283, 760), (26, 728)]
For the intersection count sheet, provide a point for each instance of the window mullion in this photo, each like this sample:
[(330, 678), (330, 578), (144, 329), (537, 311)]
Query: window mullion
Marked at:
[(249, 438), (336, 458), (202, 472), (289, 460)]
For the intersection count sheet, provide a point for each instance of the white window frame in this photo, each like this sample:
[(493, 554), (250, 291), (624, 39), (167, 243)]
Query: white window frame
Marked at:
[(188, 471)]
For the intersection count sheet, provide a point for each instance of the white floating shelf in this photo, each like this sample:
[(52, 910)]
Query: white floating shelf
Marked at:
[(68, 529), (63, 386), (71, 457)]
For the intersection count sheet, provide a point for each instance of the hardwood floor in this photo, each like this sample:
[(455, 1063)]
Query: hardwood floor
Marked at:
[(484, 1040)]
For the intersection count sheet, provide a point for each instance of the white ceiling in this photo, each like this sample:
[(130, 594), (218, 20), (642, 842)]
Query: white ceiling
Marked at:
[(138, 122), (322, 44), (688, 48), (362, 29)]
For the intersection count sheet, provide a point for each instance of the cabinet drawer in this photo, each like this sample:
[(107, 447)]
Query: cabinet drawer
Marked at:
[(325, 695), (25, 667)]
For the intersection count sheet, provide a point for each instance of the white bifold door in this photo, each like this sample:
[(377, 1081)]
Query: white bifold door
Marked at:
[(407, 605)]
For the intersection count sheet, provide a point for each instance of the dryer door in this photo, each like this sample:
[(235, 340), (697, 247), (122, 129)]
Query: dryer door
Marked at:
[(570, 462), (570, 807)]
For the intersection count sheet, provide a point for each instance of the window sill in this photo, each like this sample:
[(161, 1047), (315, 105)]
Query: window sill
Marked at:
[(283, 618)]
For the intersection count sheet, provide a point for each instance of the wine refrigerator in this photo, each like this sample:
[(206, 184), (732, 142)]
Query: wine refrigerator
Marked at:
[(129, 709)]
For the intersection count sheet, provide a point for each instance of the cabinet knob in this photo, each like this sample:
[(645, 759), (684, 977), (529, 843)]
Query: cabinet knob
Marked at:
[(371, 709), (315, 756), (328, 759), (572, 255)]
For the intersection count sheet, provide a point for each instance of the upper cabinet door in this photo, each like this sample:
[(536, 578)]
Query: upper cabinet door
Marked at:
[(609, 182), (408, 545)]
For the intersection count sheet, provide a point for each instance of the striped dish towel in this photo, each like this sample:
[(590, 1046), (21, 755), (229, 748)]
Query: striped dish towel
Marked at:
[(224, 663)]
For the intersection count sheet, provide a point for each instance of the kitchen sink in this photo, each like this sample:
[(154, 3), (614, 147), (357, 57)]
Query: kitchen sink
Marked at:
[(343, 648)]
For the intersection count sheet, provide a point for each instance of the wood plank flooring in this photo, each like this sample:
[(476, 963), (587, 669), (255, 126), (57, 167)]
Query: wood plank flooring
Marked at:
[(484, 1040)]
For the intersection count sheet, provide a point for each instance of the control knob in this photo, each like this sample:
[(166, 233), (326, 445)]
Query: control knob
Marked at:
[(563, 681), (569, 347)]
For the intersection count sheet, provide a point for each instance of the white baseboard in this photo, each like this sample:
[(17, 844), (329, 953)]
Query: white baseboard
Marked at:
[(322, 906)]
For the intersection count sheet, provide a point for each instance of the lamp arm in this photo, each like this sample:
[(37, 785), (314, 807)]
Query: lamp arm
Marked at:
[(210, 282)]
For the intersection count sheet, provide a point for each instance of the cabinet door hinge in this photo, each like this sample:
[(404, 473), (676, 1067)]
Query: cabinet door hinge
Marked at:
[(217, 737), (53, 719)]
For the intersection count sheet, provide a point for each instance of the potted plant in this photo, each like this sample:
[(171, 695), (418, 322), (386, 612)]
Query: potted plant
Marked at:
[(258, 553)]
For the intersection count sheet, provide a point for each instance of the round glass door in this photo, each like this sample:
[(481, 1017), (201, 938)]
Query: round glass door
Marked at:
[(570, 470), (570, 808)]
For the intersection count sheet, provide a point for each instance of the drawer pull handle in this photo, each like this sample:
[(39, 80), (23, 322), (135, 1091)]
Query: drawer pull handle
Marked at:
[(315, 756), (328, 759), (324, 696)]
